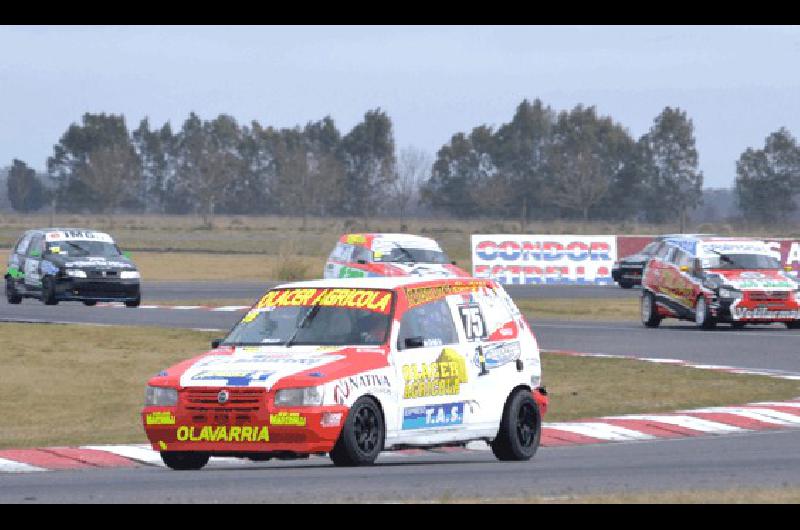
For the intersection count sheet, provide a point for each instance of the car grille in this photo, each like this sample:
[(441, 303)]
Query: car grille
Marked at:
[(100, 289), (767, 296), (239, 400)]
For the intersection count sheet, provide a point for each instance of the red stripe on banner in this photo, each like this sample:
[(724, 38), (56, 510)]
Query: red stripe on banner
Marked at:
[(661, 430), (93, 457), (553, 438), (40, 458), (735, 420)]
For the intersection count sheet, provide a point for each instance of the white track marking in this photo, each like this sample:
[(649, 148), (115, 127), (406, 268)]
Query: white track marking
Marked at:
[(793, 404), (141, 453), (11, 466), (765, 415), (603, 431), (688, 422)]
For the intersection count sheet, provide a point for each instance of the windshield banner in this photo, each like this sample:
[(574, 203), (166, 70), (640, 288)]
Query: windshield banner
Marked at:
[(366, 299), (544, 259)]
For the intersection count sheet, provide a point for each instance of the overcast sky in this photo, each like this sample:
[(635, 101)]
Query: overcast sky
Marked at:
[(738, 84)]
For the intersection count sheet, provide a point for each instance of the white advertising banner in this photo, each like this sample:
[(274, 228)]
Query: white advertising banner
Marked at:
[(514, 259)]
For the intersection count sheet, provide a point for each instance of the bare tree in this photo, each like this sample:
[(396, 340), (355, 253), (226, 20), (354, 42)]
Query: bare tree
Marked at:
[(413, 168)]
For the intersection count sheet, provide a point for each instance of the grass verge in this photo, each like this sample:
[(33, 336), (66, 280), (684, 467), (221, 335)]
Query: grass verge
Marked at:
[(73, 384), (581, 309)]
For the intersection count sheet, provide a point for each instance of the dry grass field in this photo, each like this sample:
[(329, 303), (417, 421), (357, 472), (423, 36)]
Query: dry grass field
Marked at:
[(85, 384)]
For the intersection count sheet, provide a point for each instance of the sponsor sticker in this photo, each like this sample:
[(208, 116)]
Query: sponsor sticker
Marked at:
[(430, 416), (442, 377), (293, 419), (233, 377), (160, 418), (208, 433), (367, 299), (422, 295)]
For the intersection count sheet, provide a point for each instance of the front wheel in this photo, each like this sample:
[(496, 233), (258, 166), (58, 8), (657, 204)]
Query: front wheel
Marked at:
[(184, 460), (134, 303), (49, 291), (626, 284), (520, 428), (362, 436), (702, 315), (650, 316), (12, 295), (793, 325), (90, 302)]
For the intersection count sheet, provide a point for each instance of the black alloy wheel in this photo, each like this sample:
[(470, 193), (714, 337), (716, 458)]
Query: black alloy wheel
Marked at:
[(12, 296), (49, 291), (362, 436), (520, 429), (184, 460)]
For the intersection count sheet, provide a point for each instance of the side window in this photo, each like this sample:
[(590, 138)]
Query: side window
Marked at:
[(432, 322), (36, 247), (341, 252), (22, 246), (684, 259), (663, 251), (362, 253)]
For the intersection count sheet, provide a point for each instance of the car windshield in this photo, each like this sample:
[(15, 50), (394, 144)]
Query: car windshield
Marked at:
[(324, 317), (741, 261), (83, 248), (416, 255)]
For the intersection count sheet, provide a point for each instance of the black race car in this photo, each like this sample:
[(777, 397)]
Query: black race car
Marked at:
[(627, 271), (59, 264)]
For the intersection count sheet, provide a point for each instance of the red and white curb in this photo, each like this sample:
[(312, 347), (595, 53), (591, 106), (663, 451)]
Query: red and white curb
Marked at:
[(709, 421)]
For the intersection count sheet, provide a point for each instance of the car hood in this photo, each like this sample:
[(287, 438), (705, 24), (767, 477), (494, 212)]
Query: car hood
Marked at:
[(92, 262), (771, 280), (268, 366)]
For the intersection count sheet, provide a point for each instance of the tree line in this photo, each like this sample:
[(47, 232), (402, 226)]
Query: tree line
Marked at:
[(542, 164)]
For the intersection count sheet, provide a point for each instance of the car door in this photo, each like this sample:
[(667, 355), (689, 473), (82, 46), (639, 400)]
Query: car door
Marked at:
[(434, 373), (33, 259)]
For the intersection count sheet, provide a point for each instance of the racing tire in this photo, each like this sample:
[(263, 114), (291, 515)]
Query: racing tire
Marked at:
[(738, 325), (90, 302), (134, 303), (626, 284), (520, 429), (362, 436), (650, 316), (793, 325), (12, 296), (49, 291), (184, 460), (702, 315)]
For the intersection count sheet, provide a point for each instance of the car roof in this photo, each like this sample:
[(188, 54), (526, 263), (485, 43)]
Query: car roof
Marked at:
[(390, 282), (368, 238)]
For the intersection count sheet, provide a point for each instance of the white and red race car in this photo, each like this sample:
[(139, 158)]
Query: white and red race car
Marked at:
[(374, 255), (354, 367)]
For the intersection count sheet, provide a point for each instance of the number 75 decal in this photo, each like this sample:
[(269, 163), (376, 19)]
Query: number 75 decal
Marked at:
[(472, 319)]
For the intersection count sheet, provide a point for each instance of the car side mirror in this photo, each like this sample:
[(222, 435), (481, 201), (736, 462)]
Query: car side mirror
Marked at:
[(361, 261), (788, 268), (35, 253), (684, 268), (215, 343), (414, 342)]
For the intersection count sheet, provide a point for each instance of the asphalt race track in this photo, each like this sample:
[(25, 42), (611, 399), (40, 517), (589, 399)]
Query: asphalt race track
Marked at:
[(165, 291), (752, 461), (763, 459)]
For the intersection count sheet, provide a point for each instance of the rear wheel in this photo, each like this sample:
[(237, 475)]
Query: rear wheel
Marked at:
[(12, 295), (49, 291), (650, 316), (520, 428), (702, 315), (793, 325), (737, 325), (362, 436), (626, 284), (184, 460), (90, 302)]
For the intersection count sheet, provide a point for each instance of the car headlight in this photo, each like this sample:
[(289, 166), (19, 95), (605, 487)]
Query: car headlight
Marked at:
[(76, 273), (727, 292), (129, 275), (157, 396), (298, 397)]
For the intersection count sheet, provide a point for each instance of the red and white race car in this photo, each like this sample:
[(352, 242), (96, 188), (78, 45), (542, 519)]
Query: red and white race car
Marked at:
[(716, 279), (374, 255), (353, 367)]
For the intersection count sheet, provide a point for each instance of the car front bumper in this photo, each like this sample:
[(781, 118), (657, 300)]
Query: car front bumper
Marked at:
[(97, 289)]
